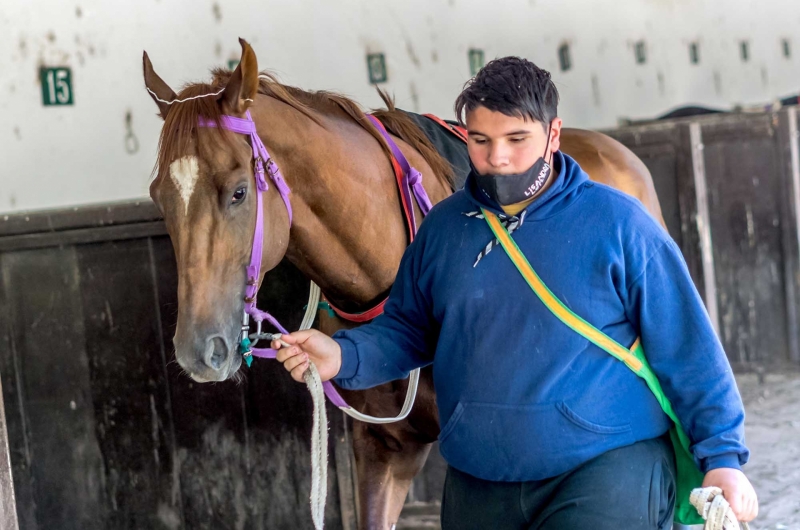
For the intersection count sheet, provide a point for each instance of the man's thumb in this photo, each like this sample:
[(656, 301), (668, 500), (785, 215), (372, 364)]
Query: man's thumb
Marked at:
[(288, 339), (299, 337)]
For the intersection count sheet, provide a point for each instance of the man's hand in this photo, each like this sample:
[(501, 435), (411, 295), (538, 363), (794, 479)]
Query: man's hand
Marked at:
[(737, 490), (310, 345)]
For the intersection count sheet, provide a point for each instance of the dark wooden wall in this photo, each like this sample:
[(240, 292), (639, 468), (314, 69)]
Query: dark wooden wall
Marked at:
[(104, 429), (745, 164)]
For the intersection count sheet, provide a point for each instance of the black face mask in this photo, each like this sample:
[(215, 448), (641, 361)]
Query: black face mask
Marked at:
[(512, 189)]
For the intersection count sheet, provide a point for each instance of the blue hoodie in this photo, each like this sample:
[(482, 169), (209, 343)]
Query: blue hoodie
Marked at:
[(522, 396)]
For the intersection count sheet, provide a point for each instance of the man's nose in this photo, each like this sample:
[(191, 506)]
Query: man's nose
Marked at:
[(498, 157)]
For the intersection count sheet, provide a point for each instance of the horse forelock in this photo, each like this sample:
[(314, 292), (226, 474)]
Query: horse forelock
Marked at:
[(181, 124)]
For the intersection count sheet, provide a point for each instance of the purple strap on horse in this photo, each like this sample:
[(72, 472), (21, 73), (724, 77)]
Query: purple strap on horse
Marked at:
[(411, 177), (261, 158), (412, 180)]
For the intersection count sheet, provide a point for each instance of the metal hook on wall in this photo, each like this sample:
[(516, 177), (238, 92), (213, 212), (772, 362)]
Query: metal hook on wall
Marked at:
[(131, 142)]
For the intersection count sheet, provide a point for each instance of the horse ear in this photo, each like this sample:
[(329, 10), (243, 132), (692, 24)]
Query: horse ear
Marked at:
[(161, 93), (243, 84)]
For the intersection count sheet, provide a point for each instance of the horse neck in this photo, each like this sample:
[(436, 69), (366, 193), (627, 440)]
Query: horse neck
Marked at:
[(348, 233)]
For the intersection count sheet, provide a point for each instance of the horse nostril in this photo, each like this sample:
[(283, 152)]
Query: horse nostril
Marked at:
[(218, 354)]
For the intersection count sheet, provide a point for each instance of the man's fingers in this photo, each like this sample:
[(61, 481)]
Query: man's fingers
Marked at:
[(285, 353), (735, 500), (294, 361), (297, 373), (750, 510)]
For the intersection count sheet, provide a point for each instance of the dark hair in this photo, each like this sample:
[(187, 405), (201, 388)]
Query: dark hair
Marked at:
[(513, 86)]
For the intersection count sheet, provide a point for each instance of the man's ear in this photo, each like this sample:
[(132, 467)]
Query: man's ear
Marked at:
[(555, 134)]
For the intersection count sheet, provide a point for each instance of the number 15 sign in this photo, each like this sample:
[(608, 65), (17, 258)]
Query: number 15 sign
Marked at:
[(56, 86)]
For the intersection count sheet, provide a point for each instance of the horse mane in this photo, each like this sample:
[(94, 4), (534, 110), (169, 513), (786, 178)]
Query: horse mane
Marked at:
[(180, 124)]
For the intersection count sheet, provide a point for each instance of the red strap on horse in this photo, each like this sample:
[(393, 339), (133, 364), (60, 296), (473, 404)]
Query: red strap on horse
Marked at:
[(366, 316), (359, 318), (460, 132)]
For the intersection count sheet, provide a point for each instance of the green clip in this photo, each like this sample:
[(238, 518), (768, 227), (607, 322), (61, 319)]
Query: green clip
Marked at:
[(325, 306), (244, 349)]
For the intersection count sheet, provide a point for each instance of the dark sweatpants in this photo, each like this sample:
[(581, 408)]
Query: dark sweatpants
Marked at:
[(628, 488)]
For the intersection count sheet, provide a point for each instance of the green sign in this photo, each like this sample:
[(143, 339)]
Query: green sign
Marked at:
[(377, 68), (475, 61), (56, 86)]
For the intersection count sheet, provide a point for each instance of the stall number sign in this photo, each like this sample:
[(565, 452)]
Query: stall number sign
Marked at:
[(56, 86), (475, 61), (377, 68)]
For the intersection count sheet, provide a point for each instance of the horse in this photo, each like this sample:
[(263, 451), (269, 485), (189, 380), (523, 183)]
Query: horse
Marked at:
[(347, 234)]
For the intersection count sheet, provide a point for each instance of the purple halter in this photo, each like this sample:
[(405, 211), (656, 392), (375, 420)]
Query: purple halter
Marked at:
[(264, 166), (261, 159)]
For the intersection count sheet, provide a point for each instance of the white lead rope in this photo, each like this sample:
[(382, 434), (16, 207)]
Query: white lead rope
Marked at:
[(314, 295), (319, 432), (712, 506)]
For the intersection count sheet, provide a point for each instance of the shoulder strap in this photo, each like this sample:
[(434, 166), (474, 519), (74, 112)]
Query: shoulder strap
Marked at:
[(633, 358), (689, 476), (556, 306)]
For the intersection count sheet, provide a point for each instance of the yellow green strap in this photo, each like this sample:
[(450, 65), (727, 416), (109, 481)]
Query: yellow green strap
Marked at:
[(689, 476), (565, 314)]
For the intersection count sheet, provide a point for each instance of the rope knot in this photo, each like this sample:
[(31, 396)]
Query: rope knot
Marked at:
[(712, 506)]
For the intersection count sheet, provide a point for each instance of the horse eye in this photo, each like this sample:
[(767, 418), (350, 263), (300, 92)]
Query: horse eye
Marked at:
[(238, 195)]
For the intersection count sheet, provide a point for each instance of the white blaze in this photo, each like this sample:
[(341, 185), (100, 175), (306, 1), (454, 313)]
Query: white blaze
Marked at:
[(184, 173)]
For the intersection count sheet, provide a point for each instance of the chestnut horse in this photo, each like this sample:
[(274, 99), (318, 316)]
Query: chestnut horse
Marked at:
[(347, 235)]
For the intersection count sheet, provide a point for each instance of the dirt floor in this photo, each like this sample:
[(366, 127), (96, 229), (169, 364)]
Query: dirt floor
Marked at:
[(772, 405)]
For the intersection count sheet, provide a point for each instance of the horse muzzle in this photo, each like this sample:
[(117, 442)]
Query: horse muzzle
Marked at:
[(211, 359)]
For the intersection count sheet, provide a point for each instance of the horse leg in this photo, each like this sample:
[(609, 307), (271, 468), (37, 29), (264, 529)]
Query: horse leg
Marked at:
[(388, 457), (384, 474)]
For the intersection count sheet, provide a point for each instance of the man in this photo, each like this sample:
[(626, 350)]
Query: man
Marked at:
[(541, 428)]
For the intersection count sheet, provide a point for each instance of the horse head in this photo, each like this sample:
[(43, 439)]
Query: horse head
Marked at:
[(205, 188)]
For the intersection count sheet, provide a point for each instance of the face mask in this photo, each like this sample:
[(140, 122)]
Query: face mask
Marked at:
[(512, 189)]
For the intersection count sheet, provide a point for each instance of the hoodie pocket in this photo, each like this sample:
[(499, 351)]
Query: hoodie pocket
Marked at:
[(524, 442)]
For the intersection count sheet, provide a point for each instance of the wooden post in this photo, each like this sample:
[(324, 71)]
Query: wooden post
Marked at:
[(789, 166), (8, 506)]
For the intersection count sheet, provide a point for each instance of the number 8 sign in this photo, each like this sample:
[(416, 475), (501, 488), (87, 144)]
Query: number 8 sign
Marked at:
[(56, 86)]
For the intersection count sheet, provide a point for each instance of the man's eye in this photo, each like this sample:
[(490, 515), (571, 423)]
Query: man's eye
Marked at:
[(239, 195), (517, 140), (480, 141)]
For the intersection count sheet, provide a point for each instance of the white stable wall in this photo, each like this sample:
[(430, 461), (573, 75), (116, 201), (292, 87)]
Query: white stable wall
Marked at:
[(63, 156)]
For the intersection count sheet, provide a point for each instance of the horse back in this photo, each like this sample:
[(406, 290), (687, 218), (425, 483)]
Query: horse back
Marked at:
[(609, 162)]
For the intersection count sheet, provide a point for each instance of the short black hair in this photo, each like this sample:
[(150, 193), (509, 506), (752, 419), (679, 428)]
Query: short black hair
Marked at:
[(511, 85)]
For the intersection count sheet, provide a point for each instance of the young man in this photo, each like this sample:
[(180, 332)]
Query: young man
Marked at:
[(541, 428)]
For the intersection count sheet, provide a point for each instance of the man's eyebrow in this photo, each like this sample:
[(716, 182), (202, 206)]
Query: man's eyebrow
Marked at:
[(512, 133)]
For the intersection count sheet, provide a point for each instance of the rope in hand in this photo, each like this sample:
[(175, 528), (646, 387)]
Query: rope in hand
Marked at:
[(319, 438), (712, 506), (319, 430)]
